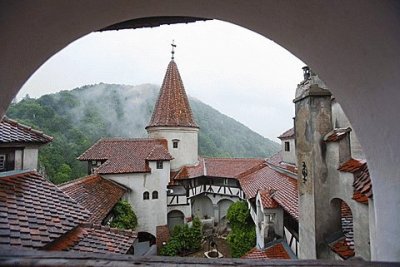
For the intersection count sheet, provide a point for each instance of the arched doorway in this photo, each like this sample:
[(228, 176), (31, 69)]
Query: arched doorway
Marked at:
[(369, 95), (202, 207), (223, 206), (175, 217)]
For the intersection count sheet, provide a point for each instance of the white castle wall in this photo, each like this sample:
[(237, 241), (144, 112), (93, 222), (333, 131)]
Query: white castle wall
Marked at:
[(151, 212), (187, 151)]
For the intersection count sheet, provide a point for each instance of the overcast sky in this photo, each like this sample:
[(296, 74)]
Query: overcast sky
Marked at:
[(240, 73)]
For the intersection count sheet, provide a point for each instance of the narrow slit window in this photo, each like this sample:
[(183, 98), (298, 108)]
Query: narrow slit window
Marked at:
[(160, 164), (175, 143), (287, 146)]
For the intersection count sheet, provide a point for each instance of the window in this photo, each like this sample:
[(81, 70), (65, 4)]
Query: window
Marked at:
[(154, 195), (175, 143), (287, 146), (2, 162), (146, 195), (159, 164)]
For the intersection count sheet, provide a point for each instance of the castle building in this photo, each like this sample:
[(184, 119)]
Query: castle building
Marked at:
[(19, 145), (310, 200)]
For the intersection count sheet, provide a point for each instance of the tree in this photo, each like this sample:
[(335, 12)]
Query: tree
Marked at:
[(243, 235), (124, 217)]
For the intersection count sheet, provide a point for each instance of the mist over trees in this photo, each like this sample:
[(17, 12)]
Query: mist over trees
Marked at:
[(78, 118)]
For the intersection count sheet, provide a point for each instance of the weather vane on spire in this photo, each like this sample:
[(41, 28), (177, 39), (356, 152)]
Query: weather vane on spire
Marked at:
[(173, 49)]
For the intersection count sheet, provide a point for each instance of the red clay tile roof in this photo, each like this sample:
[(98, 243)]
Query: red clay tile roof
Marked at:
[(276, 251), (336, 134), (362, 181), (14, 132), (277, 161), (357, 196), (342, 248), (126, 155), (96, 194), (172, 108), (95, 238), (33, 211), (289, 134), (266, 199), (286, 192), (219, 167)]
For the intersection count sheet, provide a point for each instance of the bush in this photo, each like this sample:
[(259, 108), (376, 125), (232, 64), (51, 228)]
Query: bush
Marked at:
[(184, 239), (124, 217), (243, 235)]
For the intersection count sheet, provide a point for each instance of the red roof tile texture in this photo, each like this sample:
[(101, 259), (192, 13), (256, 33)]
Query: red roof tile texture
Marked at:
[(362, 180), (14, 132), (34, 212), (96, 194), (172, 108), (289, 134), (337, 134), (126, 155), (95, 238), (276, 251), (266, 199), (286, 192), (219, 167), (342, 248)]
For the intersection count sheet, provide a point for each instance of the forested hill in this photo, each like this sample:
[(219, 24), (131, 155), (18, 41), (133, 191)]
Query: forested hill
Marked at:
[(78, 118)]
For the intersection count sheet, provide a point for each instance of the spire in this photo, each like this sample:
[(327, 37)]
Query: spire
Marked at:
[(172, 108)]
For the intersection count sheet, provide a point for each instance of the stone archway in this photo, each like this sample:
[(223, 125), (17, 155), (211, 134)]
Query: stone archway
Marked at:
[(223, 206), (341, 41), (175, 217), (202, 207)]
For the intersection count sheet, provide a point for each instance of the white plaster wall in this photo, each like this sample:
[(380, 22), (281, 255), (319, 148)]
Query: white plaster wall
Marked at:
[(187, 151), (340, 120), (289, 156), (151, 212), (18, 159), (30, 158), (340, 185)]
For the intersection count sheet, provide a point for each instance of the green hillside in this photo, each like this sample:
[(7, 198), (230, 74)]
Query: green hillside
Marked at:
[(78, 118)]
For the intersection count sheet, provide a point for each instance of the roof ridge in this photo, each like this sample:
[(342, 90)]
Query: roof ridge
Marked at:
[(108, 228), (77, 181), (25, 127)]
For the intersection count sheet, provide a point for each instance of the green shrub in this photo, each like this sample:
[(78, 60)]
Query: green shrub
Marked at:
[(124, 217), (243, 235), (184, 239)]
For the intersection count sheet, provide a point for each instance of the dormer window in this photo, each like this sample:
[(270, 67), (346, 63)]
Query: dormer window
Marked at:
[(175, 143), (159, 164), (287, 146)]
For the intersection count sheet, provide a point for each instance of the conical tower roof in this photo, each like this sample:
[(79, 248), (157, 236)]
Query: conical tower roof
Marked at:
[(172, 108)]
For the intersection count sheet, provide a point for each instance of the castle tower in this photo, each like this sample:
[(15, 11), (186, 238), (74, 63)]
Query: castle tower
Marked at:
[(312, 122), (172, 120)]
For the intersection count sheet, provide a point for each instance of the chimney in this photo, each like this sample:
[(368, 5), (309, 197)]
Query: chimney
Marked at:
[(306, 72)]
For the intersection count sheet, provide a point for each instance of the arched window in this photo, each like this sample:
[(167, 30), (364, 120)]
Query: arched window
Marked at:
[(154, 195), (146, 195)]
